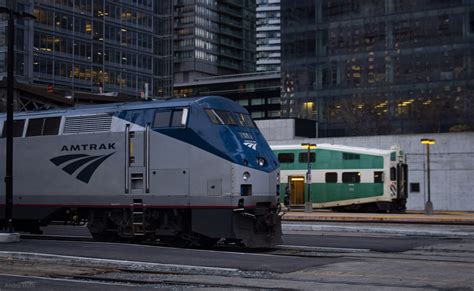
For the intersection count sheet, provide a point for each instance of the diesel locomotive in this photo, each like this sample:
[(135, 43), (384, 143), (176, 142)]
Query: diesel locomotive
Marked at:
[(186, 171)]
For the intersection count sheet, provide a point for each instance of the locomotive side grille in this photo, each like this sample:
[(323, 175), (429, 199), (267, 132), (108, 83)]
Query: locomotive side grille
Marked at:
[(87, 124)]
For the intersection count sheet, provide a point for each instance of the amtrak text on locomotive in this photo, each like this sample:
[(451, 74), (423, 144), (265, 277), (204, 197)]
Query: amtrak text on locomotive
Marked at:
[(88, 147)]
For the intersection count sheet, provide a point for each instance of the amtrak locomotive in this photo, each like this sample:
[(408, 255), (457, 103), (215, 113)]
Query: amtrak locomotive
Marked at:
[(186, 171)]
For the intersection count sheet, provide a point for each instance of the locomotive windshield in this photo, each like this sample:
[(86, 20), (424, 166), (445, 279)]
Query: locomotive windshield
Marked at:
[(229, 118)]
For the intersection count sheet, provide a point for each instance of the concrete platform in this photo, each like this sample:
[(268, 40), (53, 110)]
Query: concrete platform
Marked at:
[(6, 237), (409, 217)]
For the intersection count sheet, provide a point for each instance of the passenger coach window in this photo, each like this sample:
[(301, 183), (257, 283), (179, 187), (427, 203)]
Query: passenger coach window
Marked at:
[(303, 157), (331, 177), (18, 126), (351, 177), (286, 158), (348, 156), (378, 177)]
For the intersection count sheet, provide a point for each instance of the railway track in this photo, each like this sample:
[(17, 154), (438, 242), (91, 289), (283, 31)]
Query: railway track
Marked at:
[(159, 275), (435, 255)]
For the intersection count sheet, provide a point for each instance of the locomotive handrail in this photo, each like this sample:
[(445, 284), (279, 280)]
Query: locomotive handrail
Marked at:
[(127, 158), (147, 158)]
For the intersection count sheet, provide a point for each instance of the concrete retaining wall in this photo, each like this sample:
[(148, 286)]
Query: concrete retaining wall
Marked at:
[(452, 161)]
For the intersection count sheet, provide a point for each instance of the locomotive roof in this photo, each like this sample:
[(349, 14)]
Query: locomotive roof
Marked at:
[(216, 102), (334, 147)]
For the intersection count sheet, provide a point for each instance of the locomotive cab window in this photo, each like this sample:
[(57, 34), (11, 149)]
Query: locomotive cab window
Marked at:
[(227, 117), (18, 126), (378, 177), (221, 117), (245, 120), (171, 118), (213, 116), (286, 158), (179, 117), (351, 177), (162, 119)]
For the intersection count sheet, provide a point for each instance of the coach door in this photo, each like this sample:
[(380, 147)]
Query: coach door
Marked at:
[(402, 180), (137, 160), (296, 189)]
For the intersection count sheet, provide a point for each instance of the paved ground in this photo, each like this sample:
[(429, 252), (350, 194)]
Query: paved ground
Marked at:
[(409, 217), (382, 263), (323, 250)]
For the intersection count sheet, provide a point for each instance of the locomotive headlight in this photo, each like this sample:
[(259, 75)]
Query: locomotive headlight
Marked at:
[(261, 162), (246, 176)]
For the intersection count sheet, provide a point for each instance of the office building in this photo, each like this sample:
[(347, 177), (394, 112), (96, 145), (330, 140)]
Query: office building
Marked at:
[(213, 37), (268, 35), (98, 46), (379, 67)]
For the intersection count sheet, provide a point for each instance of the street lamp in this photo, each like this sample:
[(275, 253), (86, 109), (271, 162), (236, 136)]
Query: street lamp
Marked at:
[(12, 14), (428, 204), (308, 205)]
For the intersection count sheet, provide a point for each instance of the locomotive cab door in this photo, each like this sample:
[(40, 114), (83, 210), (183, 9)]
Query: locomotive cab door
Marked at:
[(296, 190), (137, 160)]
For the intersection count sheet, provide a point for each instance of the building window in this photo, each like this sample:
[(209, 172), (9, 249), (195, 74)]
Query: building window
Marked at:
[(258, 114), (258, 101), (351, 177), (274, 113), (331, 177), (244, 102), (286, 158), (415, 187)]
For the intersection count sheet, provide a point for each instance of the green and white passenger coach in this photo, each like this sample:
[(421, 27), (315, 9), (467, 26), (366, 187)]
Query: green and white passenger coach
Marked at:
[(344, 178)]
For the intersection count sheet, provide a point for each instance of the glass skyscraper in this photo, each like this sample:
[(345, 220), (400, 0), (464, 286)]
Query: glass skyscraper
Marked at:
[(379, 67), (97, 45), (213, 37), (268, 35)]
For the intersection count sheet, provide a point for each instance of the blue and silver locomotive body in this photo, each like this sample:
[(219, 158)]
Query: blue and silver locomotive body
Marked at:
[(187, 171)]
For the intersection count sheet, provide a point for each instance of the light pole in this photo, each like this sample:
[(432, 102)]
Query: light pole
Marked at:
[(308, 205), (12, 14), (428, 204)]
